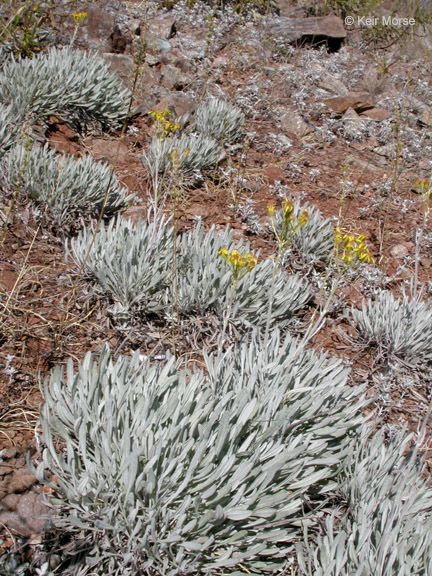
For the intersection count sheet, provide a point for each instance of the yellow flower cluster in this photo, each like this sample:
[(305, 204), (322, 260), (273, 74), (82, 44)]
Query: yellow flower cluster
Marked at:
[(174, 158), (290, 225), (353, 248), (424, 188), (166, 127), (240, 265), (78, 17)]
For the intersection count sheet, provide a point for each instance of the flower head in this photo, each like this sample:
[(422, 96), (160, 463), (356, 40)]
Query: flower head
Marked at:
[(239, 264), (303, 218), (351, 248), (270, 209), (78, 17)]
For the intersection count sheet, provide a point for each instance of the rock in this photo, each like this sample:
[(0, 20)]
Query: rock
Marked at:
[(55, 124), (32, 515), (8, 278), (327, 30), (135, 213), (399, 251), (9, 452), (387, 150), (118, 40), (95, 30), (179, 103), (426, 118), (21, 480), (172, 78), (5, 469), (373, 82), (180, 60), (331, 84), (340, 104), (110, 151), (351, 116), (156, 30), (293, 123), (286, 8), (417, 107), (9, 502), (377, 114), (163, 45), (274, 174), (123, 65), (148, 85)]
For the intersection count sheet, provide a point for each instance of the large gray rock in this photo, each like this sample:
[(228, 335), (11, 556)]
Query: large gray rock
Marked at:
[(327, 30), (179, 103)]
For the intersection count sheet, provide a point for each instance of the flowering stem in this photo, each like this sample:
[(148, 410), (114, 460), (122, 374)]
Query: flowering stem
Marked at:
[(271, 297), (227, 315)]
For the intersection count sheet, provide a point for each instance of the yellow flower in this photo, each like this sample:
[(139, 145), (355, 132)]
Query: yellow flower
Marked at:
[(223, 252), (238, 262), (270, 209), (354, 247), (303, 218), (78, 17), (288, 208), (252, 263), (365, 256)]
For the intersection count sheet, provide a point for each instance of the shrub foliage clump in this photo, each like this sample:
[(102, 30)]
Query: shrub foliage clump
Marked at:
[(313, 243), (204, 282), (9, 128), (400, 328), (68, 82), (216, 123), (189, 153), (219, 119), (62, 183), (174, 472), (134, 264), (130, 262), (385, 527)]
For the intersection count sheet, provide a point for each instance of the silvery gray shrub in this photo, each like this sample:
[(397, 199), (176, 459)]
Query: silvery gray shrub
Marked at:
[(384, 526), (401, 328), (216, 122), (71, 83), (171, 472), (61, 182), (219, 119), (131, 262), (313, 244), (134, 264), (204, 282), (194, 152), (9, 128)]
